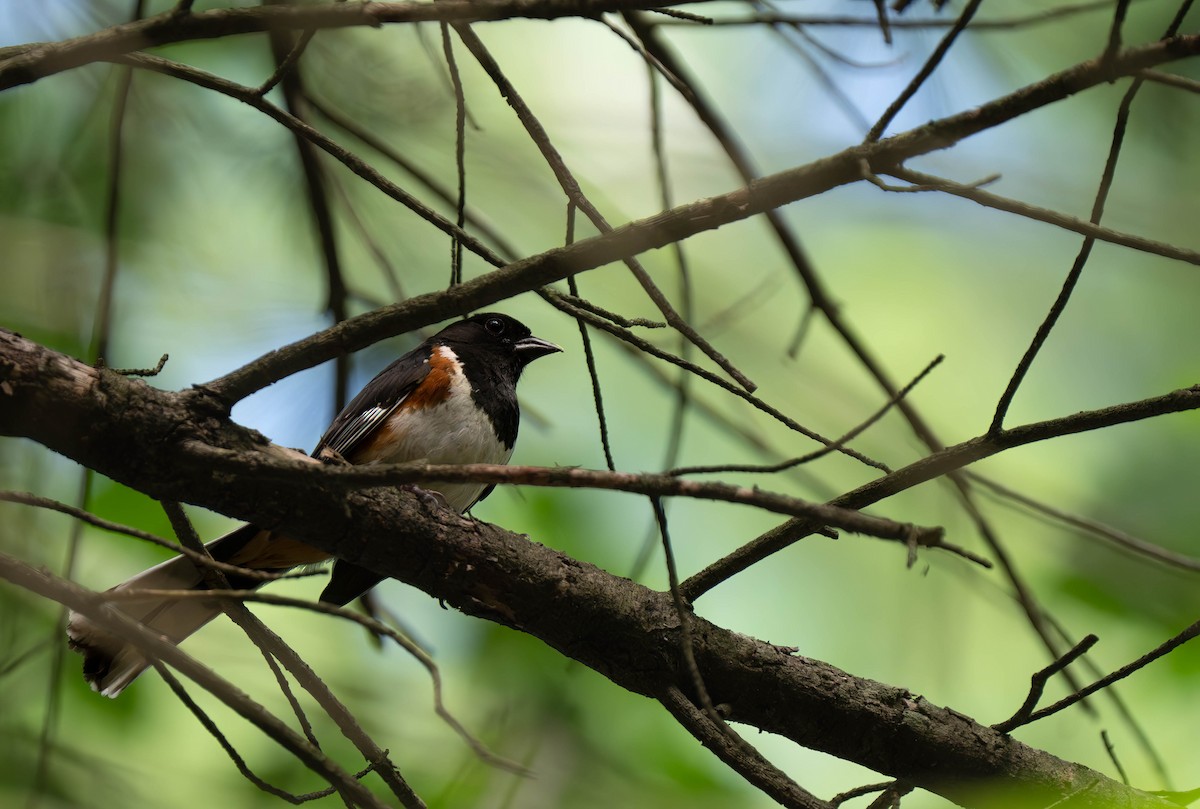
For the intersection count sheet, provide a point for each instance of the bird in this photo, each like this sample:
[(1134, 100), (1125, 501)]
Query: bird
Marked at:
[(450, 400)]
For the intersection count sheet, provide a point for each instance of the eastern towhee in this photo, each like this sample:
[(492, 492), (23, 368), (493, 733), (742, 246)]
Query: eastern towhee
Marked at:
[(450, 400)]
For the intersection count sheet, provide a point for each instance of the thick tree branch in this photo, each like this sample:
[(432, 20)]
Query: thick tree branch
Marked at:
[(625, 631)]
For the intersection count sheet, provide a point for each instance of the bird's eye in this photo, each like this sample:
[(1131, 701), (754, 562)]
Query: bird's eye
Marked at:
[(494, 325)]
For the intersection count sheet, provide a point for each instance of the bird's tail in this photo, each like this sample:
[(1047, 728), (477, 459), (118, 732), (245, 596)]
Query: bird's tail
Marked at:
[(109, 663)]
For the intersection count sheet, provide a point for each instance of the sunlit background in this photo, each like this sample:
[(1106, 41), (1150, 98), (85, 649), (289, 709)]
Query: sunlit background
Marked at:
[(219, 263)]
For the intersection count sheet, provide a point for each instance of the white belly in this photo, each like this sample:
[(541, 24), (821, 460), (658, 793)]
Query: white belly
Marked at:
[(450, 432)]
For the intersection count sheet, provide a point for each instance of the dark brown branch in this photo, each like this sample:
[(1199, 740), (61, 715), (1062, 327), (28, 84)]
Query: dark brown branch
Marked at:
[(575, 195), (752, 766), (36, 61), (938, 464), (1037, 684), (686, 220), (1127, 542), (91, 604), (1161, 650), (1081, 226), (632, 633), (273, 465), (900, 23)]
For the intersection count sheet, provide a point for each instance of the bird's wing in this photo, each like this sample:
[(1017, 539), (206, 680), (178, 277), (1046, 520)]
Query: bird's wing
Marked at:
[(374, 403)]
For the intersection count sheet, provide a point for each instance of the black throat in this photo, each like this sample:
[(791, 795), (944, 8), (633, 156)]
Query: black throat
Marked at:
[(493, 380)]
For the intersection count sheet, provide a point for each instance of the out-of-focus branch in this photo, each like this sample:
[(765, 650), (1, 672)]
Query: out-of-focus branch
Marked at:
[(25, 64)]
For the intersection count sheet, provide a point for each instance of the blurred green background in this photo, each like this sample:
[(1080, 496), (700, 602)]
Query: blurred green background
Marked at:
[(219, 264)]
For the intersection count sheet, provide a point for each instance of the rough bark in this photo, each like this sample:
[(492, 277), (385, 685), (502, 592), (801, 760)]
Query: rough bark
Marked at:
[(142, 437)]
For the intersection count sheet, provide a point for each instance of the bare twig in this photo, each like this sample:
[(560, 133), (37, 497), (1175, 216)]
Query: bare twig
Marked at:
[(25, 498), (931, 64), (814, 455), (91, 605), (728, 745), (575, 194), (935, 465), (1107, 60), (1104, 682), (372, 625), (276, 467), (974, 193), (460, 152), (1038, 682), (1112, 756), (589, 355), (1093, 527), (240, 763), (652, 350)]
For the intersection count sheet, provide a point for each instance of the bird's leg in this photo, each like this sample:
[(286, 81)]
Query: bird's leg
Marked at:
[(432, 500)]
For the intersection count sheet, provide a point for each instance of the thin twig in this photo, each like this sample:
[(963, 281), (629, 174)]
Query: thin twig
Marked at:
[(1171, 80), (571, 188), (1081, 226), (735, 751), (1037, 684), (37, 501), (1112, 756), (288, 62), (931, 64), (460, 152), (1085, 250), (276, 467), (935, 465), (372, 625), (1128, 542), (92, 606), (1120, 674), (589, 355), (812, 456), (652, 350)]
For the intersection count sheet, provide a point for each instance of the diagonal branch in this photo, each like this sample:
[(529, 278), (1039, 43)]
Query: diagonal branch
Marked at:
[(678, 223), (615, 626)]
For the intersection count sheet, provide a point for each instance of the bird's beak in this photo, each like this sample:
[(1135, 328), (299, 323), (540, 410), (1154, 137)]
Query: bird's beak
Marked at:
[(530, 348)]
